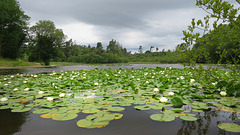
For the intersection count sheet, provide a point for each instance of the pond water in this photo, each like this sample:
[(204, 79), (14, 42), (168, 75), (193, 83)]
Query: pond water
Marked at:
[(134, 122), (82, 67)]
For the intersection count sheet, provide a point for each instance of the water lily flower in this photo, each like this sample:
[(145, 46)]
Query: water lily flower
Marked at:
[(96, 83), (192, 80), (50, 98), (24, 81), (35, 76), (26, 89), (62, 95), (40, 92), (15, 89), (214, 84), (11, 76), (177, 78), (156, 90), (181, 77), (170, 93), (147, 81), (223, 93), (4, 99), (163, 99)]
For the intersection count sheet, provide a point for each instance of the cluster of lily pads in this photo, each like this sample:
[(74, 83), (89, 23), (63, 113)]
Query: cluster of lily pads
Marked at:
[(104, 93)]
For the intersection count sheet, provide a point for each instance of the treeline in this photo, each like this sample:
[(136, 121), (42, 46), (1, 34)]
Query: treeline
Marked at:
[(71, 52)]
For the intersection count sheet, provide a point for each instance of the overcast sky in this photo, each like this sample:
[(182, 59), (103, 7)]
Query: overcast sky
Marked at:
[(157, 23)]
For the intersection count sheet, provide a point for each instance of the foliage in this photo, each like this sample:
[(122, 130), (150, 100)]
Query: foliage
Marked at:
[(46, 39), (220, 41), (13, 24)]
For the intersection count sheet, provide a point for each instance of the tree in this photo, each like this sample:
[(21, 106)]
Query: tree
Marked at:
[(222, 40), (47, 39), (140, 50), (151, 48), (13, 24)]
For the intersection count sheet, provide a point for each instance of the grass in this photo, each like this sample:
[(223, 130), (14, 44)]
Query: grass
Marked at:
[(16, 63), (73, 63)]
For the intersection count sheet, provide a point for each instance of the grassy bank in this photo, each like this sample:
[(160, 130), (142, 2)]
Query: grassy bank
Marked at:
[(73, 63), (16, 63)]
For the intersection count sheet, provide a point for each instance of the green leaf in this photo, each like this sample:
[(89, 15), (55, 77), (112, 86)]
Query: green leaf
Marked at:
[(177, 110), (116, 109), (188, 118), (142, 107), (162, 117), (64, 116), (231, 127), (177, 102), (41, 111)]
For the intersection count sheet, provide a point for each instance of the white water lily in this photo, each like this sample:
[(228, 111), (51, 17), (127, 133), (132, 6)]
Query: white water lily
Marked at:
[(163, 100), (50, 98), (192, 80), (96, 83), (62, 95), (35, 76), (156, 90), (177, 78), (147, 81), (24, 81), (170, 93), (223, 93), (11, 76), (15, 89), (40, 92), (4, 99), (214, 84), (26, 89), (181, 77)]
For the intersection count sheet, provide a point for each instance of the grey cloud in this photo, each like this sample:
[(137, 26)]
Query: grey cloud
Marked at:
[(153, 20)]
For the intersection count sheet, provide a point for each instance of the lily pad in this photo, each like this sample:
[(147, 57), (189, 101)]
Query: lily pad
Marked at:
[(21, 109), (142, 107), (65, 116), (41, 111), (177, 110), (116, 109), (84, 123), (162, 117), (90, 111), (177, 102), (231, 127), (188, 118)]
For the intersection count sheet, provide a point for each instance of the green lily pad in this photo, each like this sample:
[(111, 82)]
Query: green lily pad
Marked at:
[(84, 123), (231, 127), (21, 109), (41, 111), (116, 109), (205, 108), (162, 117), (4, 107), (64, 116), (177, 110), (188, 118), (142, 107), (90, 111), (177, 102)]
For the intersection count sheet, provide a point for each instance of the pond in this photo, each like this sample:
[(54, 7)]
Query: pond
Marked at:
[(104, 89)]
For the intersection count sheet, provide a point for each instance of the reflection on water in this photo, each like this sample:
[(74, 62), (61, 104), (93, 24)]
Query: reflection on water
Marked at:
[(11, 122), (134, 122)]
